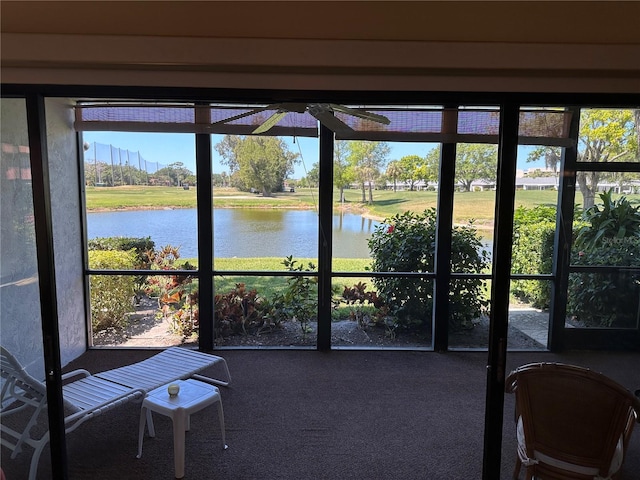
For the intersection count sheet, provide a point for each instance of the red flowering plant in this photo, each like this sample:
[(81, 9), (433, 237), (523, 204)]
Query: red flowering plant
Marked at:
[(406, 243)]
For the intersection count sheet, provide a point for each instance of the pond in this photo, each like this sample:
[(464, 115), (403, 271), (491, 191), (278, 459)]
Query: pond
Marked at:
[(239, 232)]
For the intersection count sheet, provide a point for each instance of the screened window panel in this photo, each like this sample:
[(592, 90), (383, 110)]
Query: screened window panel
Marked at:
[(410, 124)]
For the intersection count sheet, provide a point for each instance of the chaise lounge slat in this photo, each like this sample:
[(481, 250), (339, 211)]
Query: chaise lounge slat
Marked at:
[(92, 395), (174, 363), (91, 392)]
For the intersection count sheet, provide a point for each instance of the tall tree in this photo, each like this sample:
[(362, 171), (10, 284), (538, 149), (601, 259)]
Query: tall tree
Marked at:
[(605, 136), (342, 174), (367, 160), (410, 167), (429, 167), (313, 176), (258, 162), (226, 148), (217, 180), (394, 170), (475, 162), (176, 172)]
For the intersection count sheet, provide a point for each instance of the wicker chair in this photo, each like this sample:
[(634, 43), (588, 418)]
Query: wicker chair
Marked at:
[(572, 423)]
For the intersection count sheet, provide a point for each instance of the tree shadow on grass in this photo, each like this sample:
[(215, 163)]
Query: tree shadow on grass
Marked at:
[(389, 202)]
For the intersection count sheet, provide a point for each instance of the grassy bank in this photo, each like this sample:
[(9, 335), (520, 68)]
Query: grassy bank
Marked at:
[(142, 197), (268, 285), (467, 205), (275, 264)]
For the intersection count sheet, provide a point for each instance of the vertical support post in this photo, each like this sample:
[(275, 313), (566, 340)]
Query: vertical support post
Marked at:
[(129, 168), (113, 169), (563, 236), (95, 162), (446, 188), (325, 235), (82, 204), (43, 219), (500, 283), (204, 194), (120, 164)]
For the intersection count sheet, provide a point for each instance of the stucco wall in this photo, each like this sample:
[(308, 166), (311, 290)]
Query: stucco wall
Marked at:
[(67, 232), (20, 319), (20, 328)]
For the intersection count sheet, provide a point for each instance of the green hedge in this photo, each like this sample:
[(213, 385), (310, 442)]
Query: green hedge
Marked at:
[(606, 299), (533, 254), (533, 232), (139, 244), (111, 295)]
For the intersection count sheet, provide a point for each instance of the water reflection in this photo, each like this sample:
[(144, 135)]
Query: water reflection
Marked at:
[(239, 232)]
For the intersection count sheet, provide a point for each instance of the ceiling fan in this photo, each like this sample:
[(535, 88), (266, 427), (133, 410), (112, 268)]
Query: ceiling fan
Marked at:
[(323, 112)]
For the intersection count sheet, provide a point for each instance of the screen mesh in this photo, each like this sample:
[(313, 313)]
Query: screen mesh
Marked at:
[(420, 124)]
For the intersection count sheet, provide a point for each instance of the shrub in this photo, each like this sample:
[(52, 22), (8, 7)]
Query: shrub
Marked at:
[(615, 219), (241, 311), (533, 234), (300, 298), (366, 308), (111, 295), (177, 297), (406, 243), (537, 214), (533, 243), (606, 299), (610, 237), (532, 254), (140, 245)]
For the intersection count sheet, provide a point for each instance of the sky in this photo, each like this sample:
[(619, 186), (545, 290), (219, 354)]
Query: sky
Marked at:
[(167, 148)]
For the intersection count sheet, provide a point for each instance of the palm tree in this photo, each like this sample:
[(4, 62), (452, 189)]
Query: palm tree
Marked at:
[(393, 171)]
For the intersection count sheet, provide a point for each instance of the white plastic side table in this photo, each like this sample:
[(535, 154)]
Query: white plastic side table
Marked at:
[(193, 397)]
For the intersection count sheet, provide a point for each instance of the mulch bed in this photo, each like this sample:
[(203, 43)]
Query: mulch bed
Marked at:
[(146, 330)]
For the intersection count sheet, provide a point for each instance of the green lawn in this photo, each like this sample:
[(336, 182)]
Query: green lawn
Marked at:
[(479, 206), (267, 285), (127, 197), (275, 264), (468, 205), (116, 198)]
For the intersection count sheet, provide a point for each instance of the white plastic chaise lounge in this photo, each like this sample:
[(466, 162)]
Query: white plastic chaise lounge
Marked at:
[(92, 395)]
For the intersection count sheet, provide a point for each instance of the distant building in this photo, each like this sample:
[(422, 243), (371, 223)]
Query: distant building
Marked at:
[(537, 183), (538, 172), (522, 183)]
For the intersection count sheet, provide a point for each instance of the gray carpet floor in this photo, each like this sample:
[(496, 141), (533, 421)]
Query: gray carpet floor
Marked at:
[(294, 414)]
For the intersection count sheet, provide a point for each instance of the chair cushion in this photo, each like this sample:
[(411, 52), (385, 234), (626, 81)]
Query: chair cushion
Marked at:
[(616, 461)]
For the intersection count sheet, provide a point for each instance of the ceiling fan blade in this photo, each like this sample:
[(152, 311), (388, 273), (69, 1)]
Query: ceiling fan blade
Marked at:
[(330, 121), (270, 122), (245, 114), (374, 117)]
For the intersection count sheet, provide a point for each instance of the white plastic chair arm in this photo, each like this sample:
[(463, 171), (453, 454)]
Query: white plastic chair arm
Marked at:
[(80, 372)]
